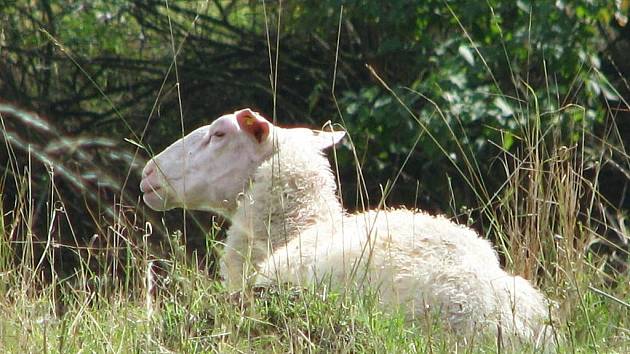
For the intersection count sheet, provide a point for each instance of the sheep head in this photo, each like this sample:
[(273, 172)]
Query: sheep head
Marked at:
[(208, 168)]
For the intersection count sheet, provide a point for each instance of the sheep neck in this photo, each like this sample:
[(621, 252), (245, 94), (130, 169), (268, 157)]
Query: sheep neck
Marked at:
[(290, 192)]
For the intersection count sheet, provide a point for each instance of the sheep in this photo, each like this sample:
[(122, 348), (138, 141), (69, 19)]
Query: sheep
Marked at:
[(288, 225)]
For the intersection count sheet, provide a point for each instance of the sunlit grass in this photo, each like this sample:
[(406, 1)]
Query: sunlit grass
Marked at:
[(143, 303)]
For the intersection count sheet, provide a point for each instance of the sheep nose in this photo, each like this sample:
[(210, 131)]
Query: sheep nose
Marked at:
[(148, 169), (149, 180)]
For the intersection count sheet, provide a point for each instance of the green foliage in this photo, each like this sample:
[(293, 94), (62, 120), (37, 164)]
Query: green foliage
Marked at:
[(108, 64), (532, 90)]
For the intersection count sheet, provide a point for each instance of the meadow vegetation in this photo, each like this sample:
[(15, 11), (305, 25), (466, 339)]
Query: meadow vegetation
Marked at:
[(510, 118)]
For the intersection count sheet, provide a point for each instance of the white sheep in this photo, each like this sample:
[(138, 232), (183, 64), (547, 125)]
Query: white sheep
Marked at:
[(277, 188)]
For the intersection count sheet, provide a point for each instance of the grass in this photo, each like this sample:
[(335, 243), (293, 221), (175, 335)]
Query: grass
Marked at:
[(133, 301), (125, 298), (192, 313)]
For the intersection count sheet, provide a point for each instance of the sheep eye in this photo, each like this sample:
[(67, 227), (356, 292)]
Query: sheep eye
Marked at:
[(210, 137)]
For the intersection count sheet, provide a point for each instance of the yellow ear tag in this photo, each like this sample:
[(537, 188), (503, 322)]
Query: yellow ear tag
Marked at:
[(249, 120)]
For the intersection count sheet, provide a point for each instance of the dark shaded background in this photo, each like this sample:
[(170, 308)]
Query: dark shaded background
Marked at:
[(94, 80)]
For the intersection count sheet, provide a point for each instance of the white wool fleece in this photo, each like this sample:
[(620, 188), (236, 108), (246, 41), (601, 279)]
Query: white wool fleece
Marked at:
[(290, 227)]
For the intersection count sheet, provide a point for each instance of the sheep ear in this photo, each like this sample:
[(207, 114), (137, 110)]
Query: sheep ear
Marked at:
[(253, 124), (324, 139)]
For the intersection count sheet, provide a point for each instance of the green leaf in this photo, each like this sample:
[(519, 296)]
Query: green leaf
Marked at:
[(508, 140), (505, 108), (467, 54)]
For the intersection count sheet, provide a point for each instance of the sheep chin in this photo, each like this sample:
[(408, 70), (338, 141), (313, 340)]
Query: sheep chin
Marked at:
[(157, 199)]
